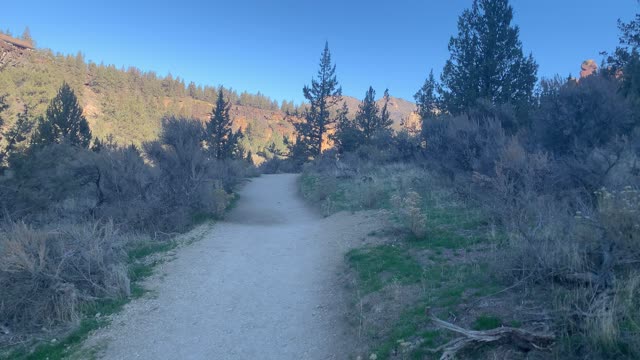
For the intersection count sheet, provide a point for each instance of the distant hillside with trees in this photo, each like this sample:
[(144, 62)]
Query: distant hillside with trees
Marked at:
[(126, 104)]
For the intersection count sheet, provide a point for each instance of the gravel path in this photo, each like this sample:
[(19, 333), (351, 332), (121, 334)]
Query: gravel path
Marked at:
[(260, 285)]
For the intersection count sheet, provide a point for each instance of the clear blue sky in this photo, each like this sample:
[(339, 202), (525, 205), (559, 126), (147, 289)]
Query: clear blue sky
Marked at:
[(274, 46)]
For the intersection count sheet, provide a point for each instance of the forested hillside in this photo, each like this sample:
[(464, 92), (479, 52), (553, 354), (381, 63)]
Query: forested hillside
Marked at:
[(128, 104)]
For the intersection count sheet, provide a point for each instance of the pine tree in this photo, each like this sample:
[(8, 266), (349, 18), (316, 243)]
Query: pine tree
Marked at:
[(323, 94), (26, 36), (221, 141), (347, 137), (193, 90), (368, 116), (487, 60), (384, 125), (63, 122), (427, 98)]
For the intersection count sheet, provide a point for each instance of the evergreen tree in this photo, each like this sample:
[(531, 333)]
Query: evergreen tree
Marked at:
[(427, 98), (20, 130), (3, 107), (193, 90), (220, 138), (322, 95), (63, 122), (26, 36), (625, 62), (250, 158), (368, 116), (487, 60), (384, 125), (16, 137), (347, 137)]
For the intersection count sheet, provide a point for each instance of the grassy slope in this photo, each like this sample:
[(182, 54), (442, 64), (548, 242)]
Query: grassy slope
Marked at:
[(449, 266)]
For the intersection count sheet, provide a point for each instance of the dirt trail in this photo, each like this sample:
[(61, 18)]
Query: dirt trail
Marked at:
[(259, 285)]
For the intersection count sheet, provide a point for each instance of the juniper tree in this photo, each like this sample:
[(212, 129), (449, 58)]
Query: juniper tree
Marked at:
[(19, 132), (249, 158), (3, 107), (222, 142), (63, 122), (487, 60), (625, 62), (322, 95)]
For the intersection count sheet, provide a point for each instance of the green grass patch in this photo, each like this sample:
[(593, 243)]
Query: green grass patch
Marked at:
[(201, 218), (486, 322), (515, 323), (455, 217), (454, 228), (148, 248), (444, 239), (406, 328), (446, 287), (308, 184), (380, 265), (410, 327), (70, 344), (140, 271), (64, 348)]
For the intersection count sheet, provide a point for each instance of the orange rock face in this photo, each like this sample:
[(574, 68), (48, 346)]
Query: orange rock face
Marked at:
[(588, 67)]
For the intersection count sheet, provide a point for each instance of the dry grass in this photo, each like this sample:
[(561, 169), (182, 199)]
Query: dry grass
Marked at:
[(541, 243), (408, 210), (47, 274)]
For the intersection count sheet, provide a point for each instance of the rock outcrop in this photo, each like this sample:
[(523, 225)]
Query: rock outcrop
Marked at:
[(588, 67)]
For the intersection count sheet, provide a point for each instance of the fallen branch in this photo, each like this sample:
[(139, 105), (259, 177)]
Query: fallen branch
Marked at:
[(523, 339)]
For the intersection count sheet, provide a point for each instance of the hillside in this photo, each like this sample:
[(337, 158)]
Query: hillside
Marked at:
[(128, 104)]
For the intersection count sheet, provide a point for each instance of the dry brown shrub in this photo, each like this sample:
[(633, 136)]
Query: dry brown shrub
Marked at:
[(221, 200), (45, 275), (408, 209)]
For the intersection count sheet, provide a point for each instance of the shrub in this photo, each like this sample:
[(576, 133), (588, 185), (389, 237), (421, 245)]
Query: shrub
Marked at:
[(187, 178), (47, 275), (581, 115), (459, 145), (63, 205), (125, 187), (408, 210)]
